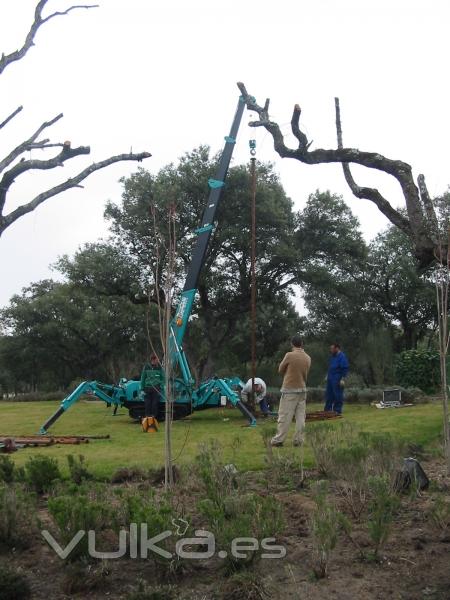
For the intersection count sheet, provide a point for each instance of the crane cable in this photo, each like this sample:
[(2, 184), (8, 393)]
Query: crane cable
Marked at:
[(252, 144)]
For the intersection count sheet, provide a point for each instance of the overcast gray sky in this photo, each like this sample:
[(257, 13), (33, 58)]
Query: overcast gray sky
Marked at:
[(160, 75)]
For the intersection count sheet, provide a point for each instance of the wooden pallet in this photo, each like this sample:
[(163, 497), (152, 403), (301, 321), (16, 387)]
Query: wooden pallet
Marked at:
[(322, 415), (9, 443)]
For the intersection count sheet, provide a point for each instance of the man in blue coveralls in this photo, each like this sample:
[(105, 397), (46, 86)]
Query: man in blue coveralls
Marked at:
[(337, 371)]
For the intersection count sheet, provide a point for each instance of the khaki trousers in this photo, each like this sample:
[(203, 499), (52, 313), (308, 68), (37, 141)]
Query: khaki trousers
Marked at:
[(291, 404)]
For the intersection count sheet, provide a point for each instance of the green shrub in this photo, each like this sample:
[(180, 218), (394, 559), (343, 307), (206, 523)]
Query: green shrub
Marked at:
[(7, 468), (144, 592), (82, 577), (230, 512), (286, 469), (37, 396), (325, 438), (418, 369), (324, 528), (267, 434), (158, 514), (123, 474), (382, 507), (386, 454), (350, 468), (41, 472), (77, 469), (245, 586), (362, 456), (217, 480), (74, 513), (439, 513), (365, 395), (242, 515), (13, 585), (369, 395), (17, 518)]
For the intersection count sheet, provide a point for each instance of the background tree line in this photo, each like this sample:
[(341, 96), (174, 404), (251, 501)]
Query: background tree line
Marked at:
[(101, 319)]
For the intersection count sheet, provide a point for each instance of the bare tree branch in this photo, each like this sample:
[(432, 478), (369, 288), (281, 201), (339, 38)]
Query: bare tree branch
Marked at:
[(366, 193), (27, 165), (7, 59), (67, 11), (429, 208), (19, 164), (295, 126), (44, 144), (414, 225), (7, 220), (24, 146), (11, 116)]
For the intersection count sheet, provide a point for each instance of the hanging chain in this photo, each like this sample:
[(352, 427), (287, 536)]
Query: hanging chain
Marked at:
[(252, 144)]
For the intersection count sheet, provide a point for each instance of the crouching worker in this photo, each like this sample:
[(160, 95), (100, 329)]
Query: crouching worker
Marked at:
[(260, 390), (152, 381)]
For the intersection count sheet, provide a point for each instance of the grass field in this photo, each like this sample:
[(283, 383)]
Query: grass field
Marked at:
[(129, 446)]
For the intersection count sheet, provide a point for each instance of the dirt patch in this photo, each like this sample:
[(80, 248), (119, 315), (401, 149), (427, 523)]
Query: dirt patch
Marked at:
[(414, 565)]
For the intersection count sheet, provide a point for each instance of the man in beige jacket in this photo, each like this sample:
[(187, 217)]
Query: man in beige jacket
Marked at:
[(294, 367)]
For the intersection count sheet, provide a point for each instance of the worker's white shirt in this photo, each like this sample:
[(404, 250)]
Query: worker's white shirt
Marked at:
[(248, 388)]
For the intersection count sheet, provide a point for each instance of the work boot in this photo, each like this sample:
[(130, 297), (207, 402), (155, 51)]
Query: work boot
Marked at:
[(152, 428)]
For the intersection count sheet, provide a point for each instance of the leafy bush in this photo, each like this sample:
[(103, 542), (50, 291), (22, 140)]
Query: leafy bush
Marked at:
[(366, 395), (78, 512), (350, 467), (13, 585), (382, 507), (267, 434), (439, 513), (287, 470), (242, 515), (144, 592), (217, 480), (157, 514), (36, 396), (123, 474), (386, 452), (17, 518), (418, 369), (41, 472), (324, 438), (81, 577), (6, 469), (231, 513), (245, 586), (350, 457), (324, 527), (77, 469)]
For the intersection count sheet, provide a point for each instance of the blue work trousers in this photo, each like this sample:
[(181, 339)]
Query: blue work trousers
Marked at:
[(264, 407), (334, 396)]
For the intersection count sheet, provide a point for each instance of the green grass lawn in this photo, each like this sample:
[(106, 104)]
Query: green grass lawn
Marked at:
[(129, 446)]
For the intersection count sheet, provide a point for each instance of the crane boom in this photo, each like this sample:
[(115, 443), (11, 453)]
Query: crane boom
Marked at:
[(179, 323)]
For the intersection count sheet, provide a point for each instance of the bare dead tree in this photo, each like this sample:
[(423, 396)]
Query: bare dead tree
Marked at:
[(166, 245), (419, 208), (168, 364), (442, 282), (15, 164)]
